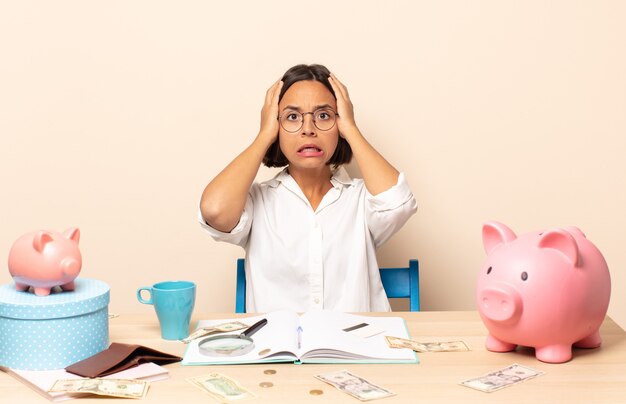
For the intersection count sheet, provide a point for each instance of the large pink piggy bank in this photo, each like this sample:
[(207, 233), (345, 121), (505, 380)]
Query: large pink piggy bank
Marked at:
[(45, 259), (548, 290)]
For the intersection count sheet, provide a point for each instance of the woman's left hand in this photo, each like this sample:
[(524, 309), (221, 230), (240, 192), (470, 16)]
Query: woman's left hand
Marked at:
[(377, 173), (345, 121)]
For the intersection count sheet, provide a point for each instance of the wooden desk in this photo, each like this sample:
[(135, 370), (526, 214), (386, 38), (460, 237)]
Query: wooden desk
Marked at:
[(592, 376)]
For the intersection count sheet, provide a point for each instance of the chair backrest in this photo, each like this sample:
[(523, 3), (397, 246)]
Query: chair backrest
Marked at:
[(240, 293), (403, 282), (400, 282)]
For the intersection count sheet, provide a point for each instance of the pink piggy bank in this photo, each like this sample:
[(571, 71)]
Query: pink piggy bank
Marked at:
[(45, 259), (548, 290)]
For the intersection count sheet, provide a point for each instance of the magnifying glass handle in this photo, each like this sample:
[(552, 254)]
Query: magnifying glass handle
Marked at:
[(254, 328)]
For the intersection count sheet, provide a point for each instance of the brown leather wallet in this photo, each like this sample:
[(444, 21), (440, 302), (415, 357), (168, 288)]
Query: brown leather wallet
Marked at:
[(119, 357)]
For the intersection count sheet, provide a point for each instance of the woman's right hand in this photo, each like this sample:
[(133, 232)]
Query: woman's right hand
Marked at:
[(224, 198), (269, 113)]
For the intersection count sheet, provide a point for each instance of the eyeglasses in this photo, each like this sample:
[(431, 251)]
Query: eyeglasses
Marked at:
[(324, 119)]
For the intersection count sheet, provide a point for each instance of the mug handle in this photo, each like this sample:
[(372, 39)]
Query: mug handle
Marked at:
[(141, 299)]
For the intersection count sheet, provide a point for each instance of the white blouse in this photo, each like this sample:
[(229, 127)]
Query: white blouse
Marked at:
[(300, 259)]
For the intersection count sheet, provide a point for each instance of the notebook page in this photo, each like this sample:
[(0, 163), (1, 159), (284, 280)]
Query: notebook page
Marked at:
[(323, 337), (277, 336)]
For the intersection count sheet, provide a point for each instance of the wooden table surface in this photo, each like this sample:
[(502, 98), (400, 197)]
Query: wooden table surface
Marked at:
[(592, 376)]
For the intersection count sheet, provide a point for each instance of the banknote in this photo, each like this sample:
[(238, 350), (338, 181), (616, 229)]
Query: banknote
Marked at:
[(221, 387), (354, 385), (442, 346), (502, 378), (125, 388), (224, 327)]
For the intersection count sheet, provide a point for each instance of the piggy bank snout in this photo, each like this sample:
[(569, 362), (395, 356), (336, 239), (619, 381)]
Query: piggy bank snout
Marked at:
[(70, 266), (500, 303)]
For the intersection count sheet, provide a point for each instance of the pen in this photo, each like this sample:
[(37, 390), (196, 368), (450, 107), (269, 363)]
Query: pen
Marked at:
[(299, 337)]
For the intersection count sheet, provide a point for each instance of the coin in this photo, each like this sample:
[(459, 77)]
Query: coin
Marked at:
[(266, 384), (269, 371), (316, 392), (264, 351)]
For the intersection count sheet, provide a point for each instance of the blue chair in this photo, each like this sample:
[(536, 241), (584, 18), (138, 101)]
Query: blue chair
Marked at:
[(401, 283), (240, 293)]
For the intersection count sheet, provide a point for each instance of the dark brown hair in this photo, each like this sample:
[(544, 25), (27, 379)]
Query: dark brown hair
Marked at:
[(274, 157)]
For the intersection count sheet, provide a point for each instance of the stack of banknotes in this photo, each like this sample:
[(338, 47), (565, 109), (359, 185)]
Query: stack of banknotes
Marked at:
[(123, 388), (444, 346), (501, 378)]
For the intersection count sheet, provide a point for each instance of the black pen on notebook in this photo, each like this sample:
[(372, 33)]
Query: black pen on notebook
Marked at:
[(299, 337)]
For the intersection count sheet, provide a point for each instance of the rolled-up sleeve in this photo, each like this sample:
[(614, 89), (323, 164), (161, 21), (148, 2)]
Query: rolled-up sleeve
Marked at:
[(238, 235), (388, 211)]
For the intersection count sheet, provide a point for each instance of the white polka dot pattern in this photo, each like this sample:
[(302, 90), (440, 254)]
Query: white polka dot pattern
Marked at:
[(52, 332)]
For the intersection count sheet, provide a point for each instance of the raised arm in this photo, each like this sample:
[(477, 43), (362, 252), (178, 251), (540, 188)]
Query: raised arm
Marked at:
[(224, 199), (378, 174)]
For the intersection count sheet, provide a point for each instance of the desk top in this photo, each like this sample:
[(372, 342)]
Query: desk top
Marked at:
[(593, 375)]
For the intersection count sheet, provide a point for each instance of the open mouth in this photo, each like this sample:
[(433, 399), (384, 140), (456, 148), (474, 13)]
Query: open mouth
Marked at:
[(309, 149)]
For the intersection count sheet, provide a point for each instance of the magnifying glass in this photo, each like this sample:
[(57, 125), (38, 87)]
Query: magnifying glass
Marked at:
[(230, 345)]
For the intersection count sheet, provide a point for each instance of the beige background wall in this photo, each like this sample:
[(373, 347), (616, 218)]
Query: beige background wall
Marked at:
[(115, 114)]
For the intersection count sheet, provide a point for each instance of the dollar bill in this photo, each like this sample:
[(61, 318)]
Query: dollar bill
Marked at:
[(443, 346), (502, 378), (354, 385), (221, 387), (124, 388), (225, 327)]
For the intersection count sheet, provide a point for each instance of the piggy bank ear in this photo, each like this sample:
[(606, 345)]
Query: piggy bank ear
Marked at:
[(494, 234), (40, 240), (563, 242), (575, 230), (72, 234)]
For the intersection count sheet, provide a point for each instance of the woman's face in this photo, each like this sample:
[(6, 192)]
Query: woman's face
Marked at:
[(308, 147)]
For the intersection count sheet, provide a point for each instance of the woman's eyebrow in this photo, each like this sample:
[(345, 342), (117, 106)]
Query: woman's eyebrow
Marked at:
[(292, 107), (315, 108), (323, 106)]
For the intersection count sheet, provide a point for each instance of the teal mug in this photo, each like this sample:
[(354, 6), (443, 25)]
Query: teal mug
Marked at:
[(173, 302)]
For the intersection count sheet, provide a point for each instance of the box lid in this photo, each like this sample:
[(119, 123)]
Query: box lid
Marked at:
[(88, 296)]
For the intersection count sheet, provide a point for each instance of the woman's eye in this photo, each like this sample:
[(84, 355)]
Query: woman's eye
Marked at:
[(323, 115), (292, 116)]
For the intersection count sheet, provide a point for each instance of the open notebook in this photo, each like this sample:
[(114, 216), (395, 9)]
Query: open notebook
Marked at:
[(313, 337)]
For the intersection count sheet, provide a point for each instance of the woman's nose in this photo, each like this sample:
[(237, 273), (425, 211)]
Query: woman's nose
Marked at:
[(308, 126)]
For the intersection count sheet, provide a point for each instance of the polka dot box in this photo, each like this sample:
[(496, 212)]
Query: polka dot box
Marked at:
[(52, 332)]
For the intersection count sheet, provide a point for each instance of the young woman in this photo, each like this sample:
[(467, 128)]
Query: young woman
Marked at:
[(311, 232)]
